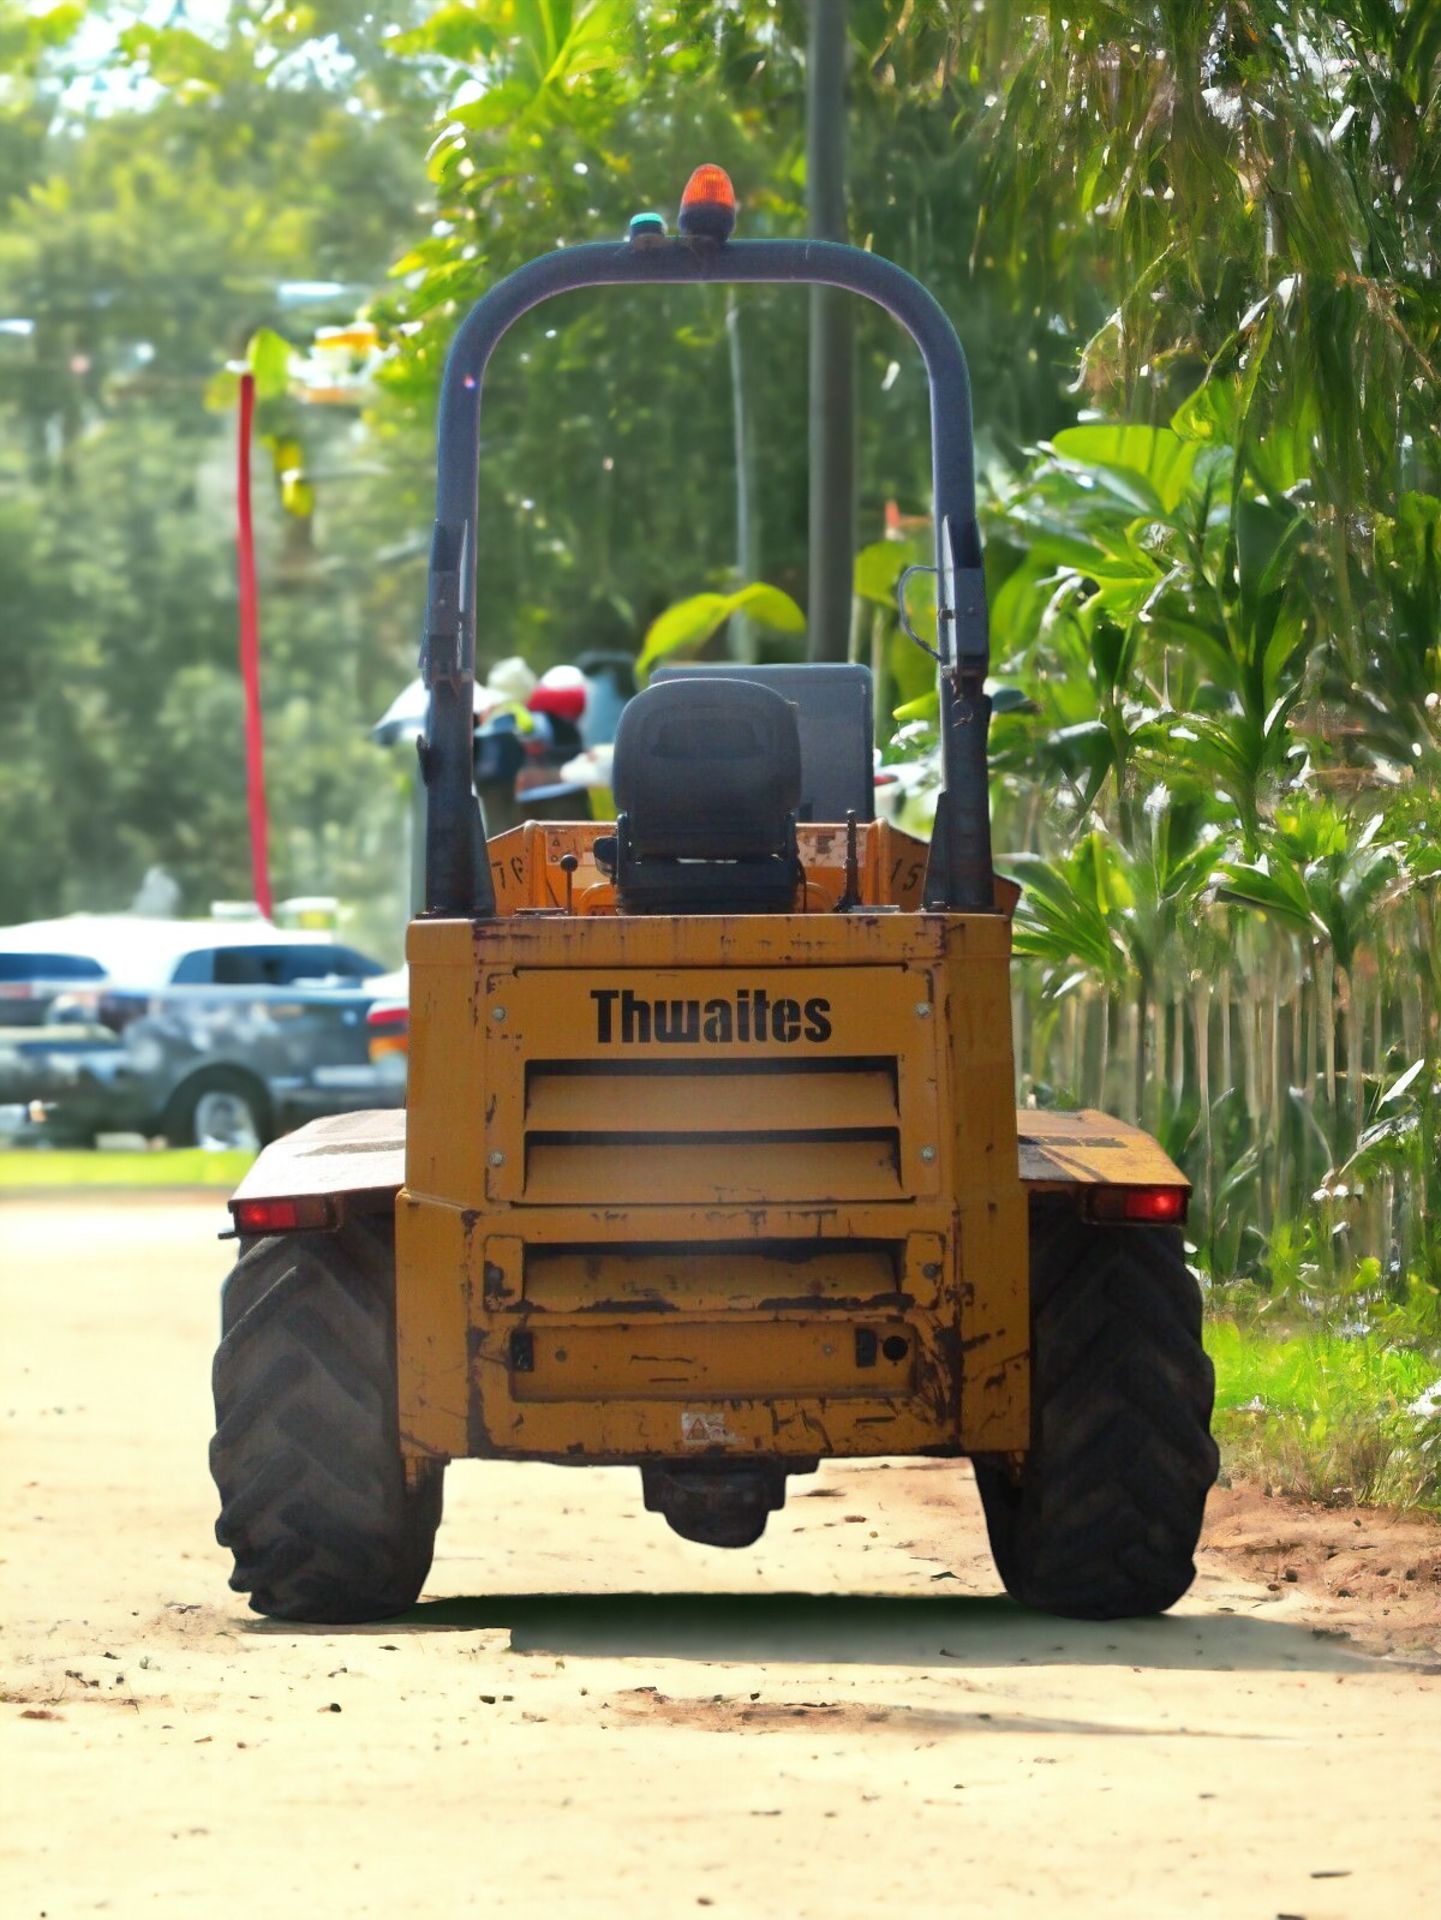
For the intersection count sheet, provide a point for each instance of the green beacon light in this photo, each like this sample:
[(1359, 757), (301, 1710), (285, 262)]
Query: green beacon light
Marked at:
[(645, 230)]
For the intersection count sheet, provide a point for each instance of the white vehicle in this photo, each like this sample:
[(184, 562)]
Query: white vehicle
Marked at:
[(228, 1031), (135, 955)]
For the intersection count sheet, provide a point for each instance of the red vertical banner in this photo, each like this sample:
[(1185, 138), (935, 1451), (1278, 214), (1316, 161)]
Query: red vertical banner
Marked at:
[(250, 656)]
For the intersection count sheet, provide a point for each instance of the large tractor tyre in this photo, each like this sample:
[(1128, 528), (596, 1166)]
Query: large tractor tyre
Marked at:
[(1104, 1521), (220, 1106), (314, 1500)]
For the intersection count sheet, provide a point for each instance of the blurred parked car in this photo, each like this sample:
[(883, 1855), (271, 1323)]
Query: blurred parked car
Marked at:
[(203, 1031), (29, 982), (125, 958)]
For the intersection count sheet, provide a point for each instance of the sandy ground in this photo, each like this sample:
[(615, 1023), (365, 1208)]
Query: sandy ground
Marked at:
[(588, 1716)]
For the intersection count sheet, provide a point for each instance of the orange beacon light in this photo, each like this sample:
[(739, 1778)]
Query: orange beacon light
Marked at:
[(708, 205)]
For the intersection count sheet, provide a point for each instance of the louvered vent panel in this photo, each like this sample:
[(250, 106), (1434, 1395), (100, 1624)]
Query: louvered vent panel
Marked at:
[(727, 1133)]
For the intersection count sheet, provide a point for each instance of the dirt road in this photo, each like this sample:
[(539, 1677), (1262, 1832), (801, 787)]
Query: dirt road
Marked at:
[(588, 1716)]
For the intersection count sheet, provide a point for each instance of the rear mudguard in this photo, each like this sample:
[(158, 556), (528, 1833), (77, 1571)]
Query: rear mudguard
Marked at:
[(357, 1160)]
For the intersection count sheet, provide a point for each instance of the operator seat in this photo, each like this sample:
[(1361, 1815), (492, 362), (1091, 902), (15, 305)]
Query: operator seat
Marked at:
[(707, 782), (835, 706)]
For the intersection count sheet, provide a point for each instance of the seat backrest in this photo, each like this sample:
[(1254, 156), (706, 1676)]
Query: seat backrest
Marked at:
[(707, 768), (834, 705)]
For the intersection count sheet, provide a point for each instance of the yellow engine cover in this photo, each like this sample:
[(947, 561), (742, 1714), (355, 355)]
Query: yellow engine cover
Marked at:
[(681, 1186)]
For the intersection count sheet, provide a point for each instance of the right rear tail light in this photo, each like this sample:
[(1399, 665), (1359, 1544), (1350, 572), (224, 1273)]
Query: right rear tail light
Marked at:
[(389, 1031)]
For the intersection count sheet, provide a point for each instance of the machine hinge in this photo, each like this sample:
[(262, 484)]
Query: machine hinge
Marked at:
[(440, 650)]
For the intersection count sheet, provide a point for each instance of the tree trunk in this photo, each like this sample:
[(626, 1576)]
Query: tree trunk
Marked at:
[(1201, 1018), (1142, 1016)]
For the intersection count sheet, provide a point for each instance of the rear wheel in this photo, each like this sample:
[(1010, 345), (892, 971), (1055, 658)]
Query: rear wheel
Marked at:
[(315, 1503), (221, 1107), (1105, 1518)]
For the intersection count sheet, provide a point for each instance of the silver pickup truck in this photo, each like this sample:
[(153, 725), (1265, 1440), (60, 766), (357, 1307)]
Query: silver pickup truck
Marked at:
[(202, 1031)]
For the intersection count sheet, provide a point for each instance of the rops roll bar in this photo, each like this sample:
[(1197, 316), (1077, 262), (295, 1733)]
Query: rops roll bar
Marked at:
[(458, 882)]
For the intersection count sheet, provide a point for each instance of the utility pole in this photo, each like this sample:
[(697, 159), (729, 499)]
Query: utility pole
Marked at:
[(250, 656), (748, 541), (832, 343)]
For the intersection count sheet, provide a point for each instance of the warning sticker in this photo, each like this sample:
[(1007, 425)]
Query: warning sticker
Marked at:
[(704, 1429)]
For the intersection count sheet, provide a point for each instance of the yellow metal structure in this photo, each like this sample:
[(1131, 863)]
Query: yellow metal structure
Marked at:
[(722, 1191), (687, 1186)]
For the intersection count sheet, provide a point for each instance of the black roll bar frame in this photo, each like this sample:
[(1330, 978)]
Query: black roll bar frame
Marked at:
[(458, 880)]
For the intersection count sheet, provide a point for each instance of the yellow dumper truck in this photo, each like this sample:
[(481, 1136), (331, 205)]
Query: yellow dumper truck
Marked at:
[(710, 1162)]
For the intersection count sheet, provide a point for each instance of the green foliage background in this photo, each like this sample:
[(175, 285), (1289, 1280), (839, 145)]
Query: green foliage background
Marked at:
[(1193, 253)]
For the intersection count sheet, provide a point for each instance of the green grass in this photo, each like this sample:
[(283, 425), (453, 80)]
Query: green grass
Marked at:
[(1323, 1415), (183, 1167)]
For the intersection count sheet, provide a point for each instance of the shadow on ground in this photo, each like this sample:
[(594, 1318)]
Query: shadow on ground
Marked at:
[(957, 1631)]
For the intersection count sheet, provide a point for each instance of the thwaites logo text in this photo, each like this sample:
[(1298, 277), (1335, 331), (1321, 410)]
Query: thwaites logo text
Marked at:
[(629, 1019)]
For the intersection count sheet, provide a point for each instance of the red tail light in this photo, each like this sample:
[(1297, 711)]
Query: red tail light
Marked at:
[(389, 1030), (1154, 1206), (254, 1217)]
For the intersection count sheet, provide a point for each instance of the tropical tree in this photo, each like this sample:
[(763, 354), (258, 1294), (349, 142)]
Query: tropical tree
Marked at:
[(1194, 259), (180, 189)]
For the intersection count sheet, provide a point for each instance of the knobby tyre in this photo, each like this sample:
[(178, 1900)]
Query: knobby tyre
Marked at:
[(314, 1501), (1106, 1516)]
